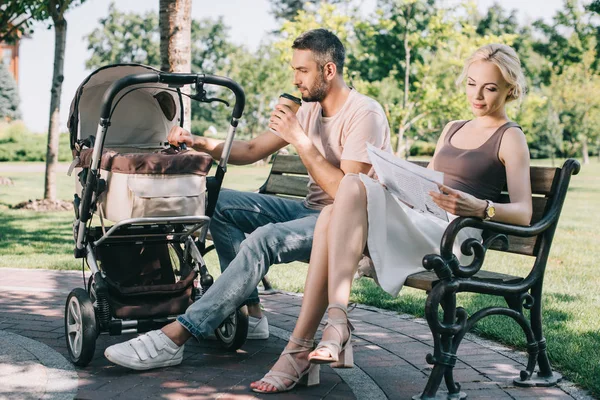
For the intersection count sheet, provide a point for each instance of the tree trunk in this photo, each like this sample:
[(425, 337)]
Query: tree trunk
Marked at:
[(399, 146), (406, 69), (60, 39), (402, 129), (585, 151), (175, 24)]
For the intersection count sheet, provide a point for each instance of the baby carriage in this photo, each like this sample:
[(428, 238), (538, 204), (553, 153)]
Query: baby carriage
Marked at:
[(153, 203)]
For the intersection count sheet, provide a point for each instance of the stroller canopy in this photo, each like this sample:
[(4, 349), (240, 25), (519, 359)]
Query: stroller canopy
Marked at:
[(142, 114)]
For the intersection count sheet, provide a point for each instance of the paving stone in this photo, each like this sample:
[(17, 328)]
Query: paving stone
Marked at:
[(390, 352)]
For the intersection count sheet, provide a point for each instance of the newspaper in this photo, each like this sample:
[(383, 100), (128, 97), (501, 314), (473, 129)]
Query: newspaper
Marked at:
[(410, 183)]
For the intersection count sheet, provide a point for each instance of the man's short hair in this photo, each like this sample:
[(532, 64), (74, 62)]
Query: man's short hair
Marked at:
[(325, 45)]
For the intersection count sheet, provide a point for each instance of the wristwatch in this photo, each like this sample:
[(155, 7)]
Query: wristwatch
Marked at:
[(490, 211)]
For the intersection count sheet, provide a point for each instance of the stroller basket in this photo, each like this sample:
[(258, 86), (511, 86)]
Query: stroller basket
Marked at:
[(141, 281), (152, 301)]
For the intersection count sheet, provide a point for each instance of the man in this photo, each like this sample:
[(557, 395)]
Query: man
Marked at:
[(330, 132)]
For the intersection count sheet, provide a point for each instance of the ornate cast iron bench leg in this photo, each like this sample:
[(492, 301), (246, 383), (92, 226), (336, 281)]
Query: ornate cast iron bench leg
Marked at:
[(445, 342), (545, 376)]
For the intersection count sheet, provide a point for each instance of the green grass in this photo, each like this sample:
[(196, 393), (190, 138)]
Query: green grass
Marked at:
[(571, 297)]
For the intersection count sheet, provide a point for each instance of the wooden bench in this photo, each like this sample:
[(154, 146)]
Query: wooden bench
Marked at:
[(445, 277)]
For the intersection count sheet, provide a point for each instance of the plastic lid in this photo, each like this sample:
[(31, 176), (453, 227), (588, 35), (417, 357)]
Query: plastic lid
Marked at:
[(292, 98)]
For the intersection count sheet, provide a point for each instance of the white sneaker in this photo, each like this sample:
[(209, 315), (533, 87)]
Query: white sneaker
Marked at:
[(258, 328), (150, 350)]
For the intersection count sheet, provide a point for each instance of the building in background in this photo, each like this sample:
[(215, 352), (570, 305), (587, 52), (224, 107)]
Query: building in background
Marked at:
[(9, 56)]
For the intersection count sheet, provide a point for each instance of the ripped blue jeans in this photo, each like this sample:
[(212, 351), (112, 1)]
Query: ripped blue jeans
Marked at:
[(279, 231)]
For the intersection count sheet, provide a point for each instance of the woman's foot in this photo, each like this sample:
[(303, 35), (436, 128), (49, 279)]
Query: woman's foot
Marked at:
[(292, 368), (335, 346)]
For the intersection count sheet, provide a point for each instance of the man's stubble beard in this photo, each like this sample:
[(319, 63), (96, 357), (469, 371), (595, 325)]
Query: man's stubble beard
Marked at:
[(319, 90)]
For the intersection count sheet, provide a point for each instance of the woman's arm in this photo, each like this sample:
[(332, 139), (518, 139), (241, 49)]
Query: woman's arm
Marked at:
[(515, 156)]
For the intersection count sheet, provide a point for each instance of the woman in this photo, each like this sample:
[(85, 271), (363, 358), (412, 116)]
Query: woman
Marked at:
[(478, 157)]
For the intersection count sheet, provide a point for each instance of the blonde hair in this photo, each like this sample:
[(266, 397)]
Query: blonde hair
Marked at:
[(506, 59)]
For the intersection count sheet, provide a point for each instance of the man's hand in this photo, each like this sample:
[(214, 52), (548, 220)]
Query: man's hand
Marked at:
[(458, 203), (283, 121), (178, 135)]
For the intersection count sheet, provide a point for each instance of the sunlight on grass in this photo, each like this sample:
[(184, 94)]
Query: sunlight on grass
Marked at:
[(571, 297)]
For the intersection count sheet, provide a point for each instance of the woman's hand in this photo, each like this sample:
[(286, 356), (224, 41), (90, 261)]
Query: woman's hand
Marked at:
[(459, 203)]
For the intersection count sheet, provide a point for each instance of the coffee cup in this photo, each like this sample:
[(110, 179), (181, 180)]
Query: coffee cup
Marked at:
[(292, 102)]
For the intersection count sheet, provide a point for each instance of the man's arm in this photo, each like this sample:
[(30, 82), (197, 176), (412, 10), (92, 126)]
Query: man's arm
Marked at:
[(327, 176), (242, 152)]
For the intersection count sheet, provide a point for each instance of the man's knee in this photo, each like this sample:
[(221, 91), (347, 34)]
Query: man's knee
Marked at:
[(261, 237), (276, 243)]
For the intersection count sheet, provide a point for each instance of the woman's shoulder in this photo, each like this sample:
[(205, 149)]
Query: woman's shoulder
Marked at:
[(514, 133), (456, 121), (450, 124), (513, 143)]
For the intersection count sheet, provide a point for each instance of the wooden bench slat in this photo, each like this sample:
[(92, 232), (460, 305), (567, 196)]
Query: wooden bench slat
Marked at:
[(288, 165), (520, 245), (541, 179), (426, 280), (289, 185)]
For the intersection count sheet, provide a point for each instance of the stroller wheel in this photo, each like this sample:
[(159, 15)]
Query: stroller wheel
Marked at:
[(233, 331), (80, 327)]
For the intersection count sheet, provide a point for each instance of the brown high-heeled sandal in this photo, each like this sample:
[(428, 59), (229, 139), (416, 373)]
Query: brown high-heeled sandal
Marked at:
[(340, 354), (308, 377)]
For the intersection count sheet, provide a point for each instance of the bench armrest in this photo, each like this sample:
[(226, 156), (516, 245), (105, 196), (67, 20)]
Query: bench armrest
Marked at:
[(446, 264)]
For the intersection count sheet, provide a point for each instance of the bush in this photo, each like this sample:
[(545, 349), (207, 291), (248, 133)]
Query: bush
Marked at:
[(198, 127), (17, 143), (9, 95), (421, 148)]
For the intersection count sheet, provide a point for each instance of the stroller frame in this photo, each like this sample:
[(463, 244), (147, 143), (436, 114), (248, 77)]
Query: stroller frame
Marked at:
[(88, 313)]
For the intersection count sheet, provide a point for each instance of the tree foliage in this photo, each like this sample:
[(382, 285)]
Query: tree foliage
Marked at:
[(124, 38), (289, 9), (16, 18), (407, 55)]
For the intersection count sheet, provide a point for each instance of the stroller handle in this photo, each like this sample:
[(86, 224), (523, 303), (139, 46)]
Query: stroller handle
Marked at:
[(240, 96), (174, 79)]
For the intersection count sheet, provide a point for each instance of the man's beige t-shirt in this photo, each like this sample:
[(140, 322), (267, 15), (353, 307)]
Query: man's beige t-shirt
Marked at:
[(343, 136)]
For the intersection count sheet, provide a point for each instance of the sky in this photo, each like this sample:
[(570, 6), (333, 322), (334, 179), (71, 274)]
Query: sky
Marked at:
[(249, 22)]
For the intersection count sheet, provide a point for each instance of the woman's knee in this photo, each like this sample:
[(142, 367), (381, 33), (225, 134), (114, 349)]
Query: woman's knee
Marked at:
[(326, 212), (351, 187)]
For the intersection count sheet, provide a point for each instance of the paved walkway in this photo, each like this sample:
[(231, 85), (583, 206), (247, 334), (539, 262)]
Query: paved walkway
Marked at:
[(389, 355)]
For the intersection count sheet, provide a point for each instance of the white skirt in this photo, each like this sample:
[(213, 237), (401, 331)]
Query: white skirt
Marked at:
[(399, 237)]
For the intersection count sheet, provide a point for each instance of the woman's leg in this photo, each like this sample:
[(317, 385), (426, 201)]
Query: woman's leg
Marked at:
[(314, 303), (346, 238)]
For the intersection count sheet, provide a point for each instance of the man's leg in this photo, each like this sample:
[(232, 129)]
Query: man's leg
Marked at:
[(274, 243), (239, 214)]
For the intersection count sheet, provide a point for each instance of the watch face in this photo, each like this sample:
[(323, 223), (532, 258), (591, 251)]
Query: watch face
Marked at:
[(491, 211)]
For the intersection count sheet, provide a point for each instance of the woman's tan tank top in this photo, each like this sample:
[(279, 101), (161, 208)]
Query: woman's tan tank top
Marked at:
[(478, 171)]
